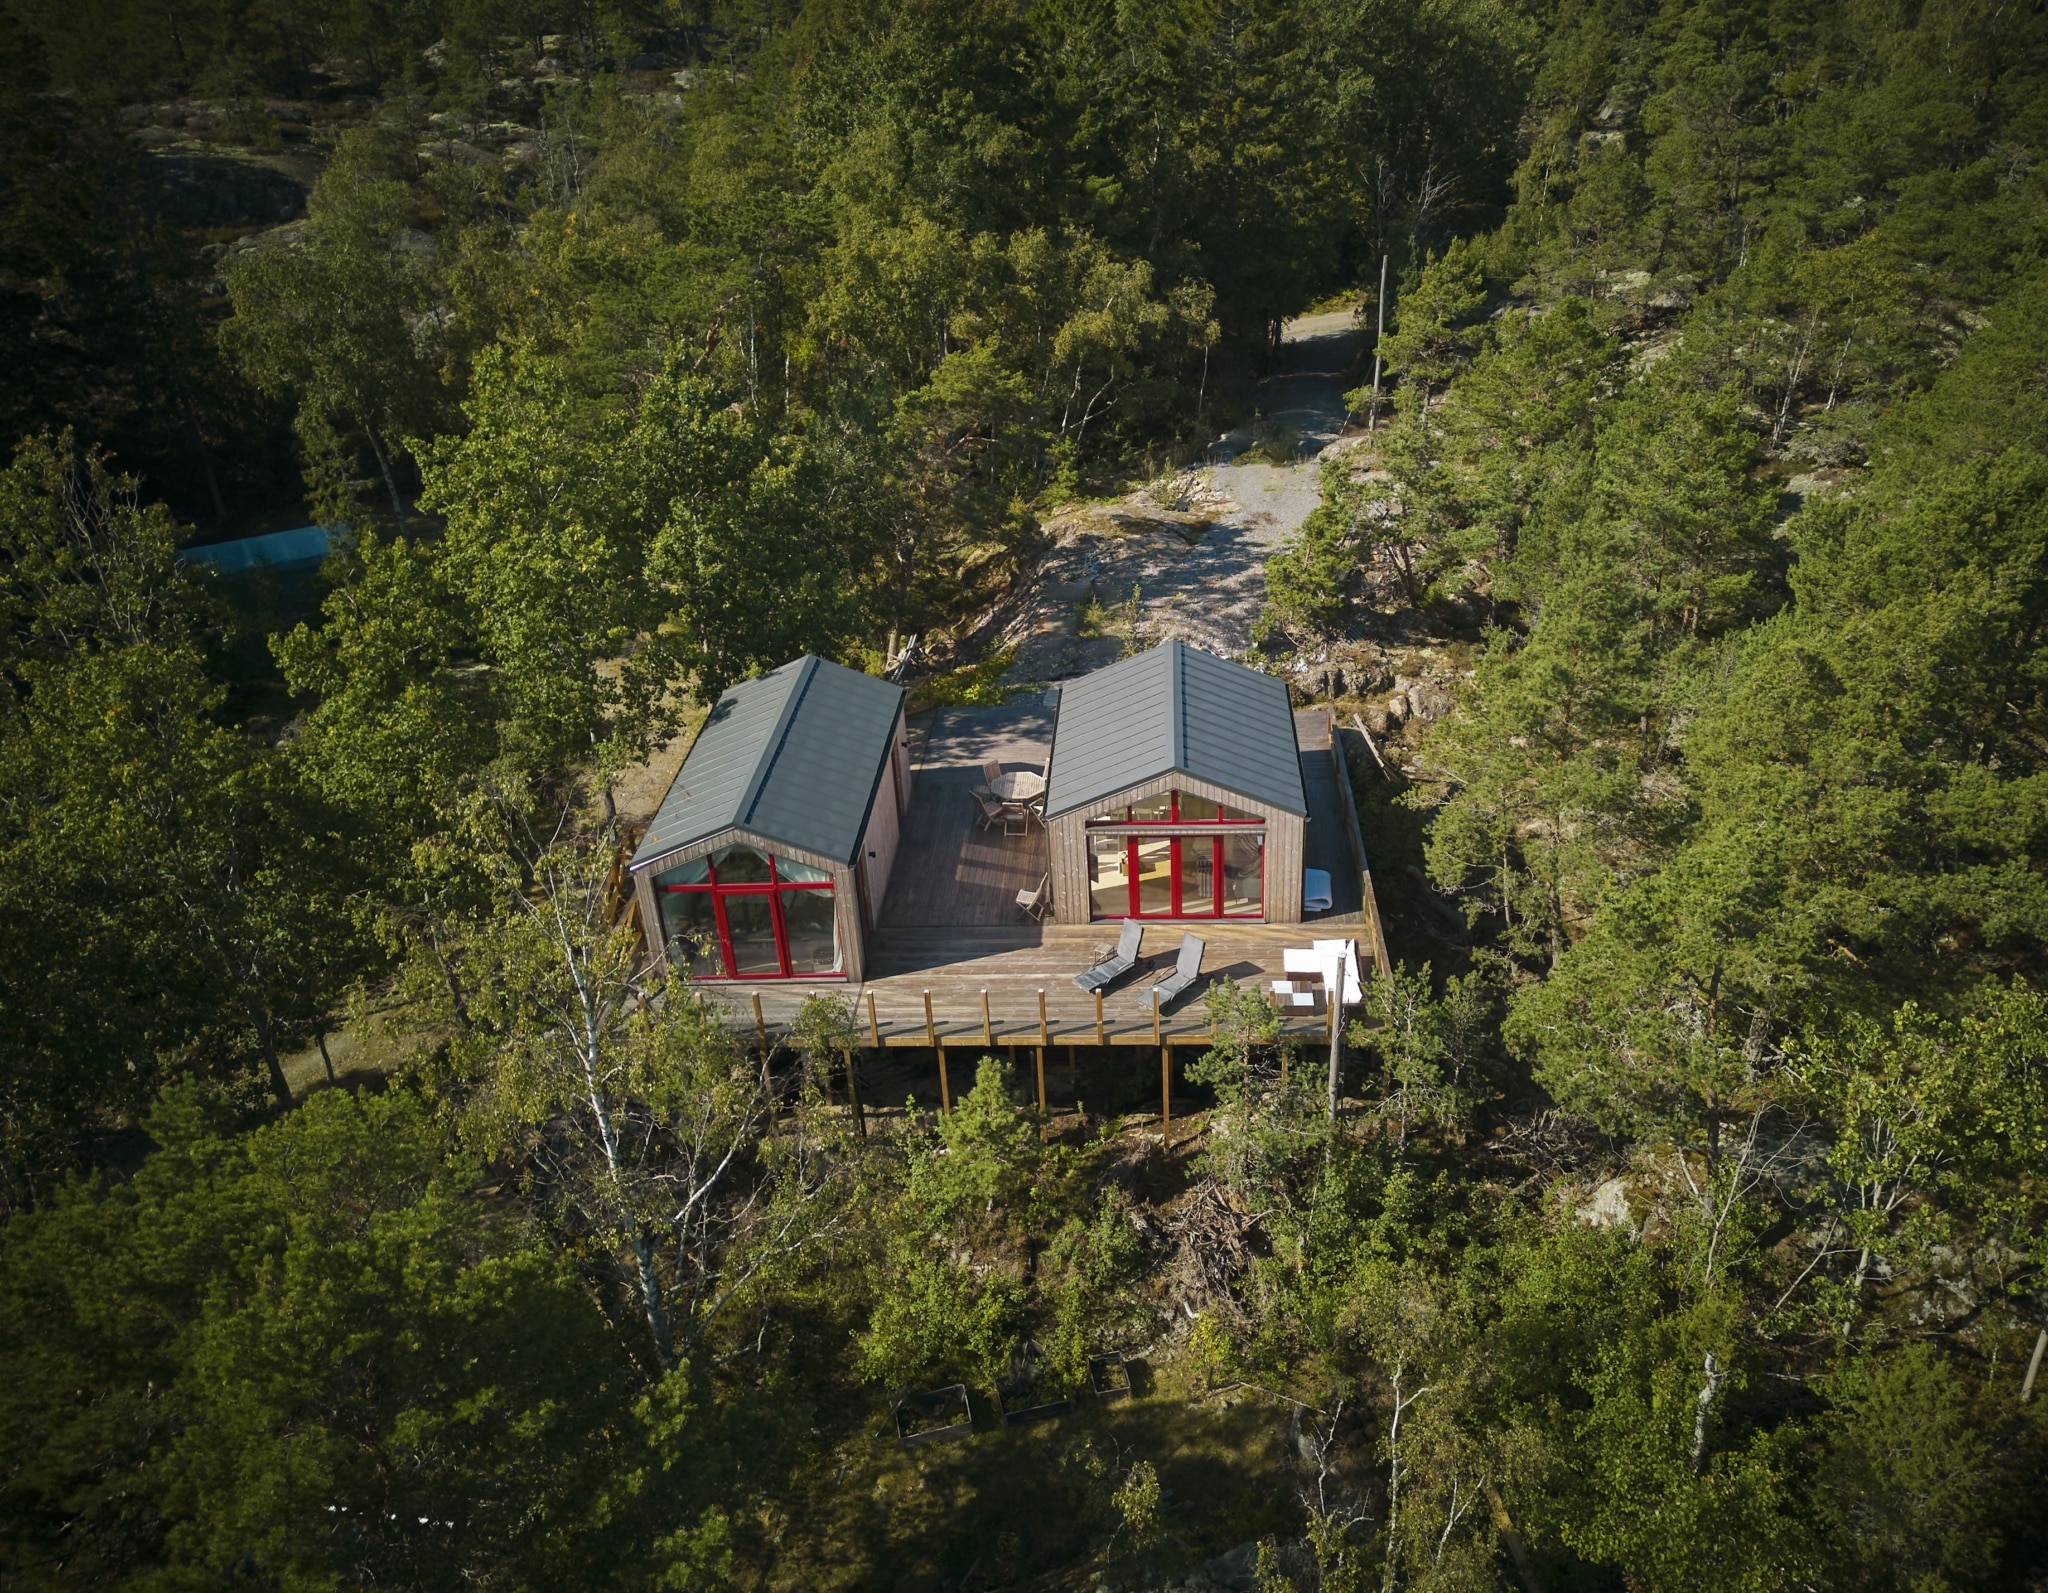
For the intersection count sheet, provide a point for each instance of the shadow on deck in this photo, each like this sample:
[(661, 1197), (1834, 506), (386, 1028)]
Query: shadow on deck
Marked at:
[(950, 872)]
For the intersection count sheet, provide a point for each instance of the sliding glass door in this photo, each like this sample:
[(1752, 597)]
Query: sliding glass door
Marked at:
[(1202, 860)]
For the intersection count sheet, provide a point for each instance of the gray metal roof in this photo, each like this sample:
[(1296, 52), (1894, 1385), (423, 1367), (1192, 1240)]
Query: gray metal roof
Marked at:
[(795, 756), (1174, 709)]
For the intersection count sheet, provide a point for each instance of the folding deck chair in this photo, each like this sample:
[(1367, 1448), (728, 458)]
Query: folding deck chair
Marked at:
[(1038, 903)]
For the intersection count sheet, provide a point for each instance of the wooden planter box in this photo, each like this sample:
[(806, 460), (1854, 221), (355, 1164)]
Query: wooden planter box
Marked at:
[(1018, 1404), (933, 1416), (1109, 1376)]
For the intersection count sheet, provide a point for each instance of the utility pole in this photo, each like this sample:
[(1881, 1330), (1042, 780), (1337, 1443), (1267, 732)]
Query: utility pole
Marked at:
[(1374, 423)]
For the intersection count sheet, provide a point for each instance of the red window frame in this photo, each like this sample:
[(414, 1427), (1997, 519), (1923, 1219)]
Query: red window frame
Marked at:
[(1174, 863), (772, 888)]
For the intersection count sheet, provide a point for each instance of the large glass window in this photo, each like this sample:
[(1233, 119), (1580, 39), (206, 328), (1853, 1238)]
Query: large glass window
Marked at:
[(1109, 876), (1244, 873), (1153, 864), (1175, 807), (692, 925), (742, 913), (1206, 860), (810, 925)]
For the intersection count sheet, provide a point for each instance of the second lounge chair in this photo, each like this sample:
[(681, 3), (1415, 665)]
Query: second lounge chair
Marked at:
[(1187, 968)]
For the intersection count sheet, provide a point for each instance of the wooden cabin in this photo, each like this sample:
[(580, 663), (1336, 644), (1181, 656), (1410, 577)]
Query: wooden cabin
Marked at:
[(770, 856), (1175, 792)]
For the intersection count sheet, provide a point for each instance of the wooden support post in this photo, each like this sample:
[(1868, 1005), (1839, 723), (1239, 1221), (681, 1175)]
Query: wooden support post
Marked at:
[(1336, 1026), (1165, 1095), (1098, 1019), (1044, 1042), (988, 1033), (874, 1024), (1336, 1039), (860, 1116), (931, 1033), (1156, 1040), (767, 1079)]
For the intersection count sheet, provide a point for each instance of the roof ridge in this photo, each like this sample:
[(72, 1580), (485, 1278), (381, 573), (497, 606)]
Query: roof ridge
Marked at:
[(1177, 702), (744, 813)]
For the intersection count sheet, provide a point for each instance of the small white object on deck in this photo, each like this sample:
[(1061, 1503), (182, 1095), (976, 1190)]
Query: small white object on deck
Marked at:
[(1326, 959)]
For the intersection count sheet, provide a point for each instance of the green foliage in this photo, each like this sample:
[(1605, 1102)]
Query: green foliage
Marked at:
[(971, 685), (1910, 1488), (263, 1332), (1430, 1048), (937, 1313), (1696, 1222), (1137, 1506), (329, 324), (172, 894)]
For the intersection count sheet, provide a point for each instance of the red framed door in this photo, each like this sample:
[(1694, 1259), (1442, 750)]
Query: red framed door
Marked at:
[(1193, 876)]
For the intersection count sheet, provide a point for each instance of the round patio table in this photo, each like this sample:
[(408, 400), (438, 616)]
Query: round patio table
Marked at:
[(1019, 785)]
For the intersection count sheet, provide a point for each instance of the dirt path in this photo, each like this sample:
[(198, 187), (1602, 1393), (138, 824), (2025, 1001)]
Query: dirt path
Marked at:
[(1194, 548)]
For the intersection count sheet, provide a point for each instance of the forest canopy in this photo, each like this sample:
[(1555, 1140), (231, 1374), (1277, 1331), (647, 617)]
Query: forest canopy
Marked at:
[(1679, 1219)]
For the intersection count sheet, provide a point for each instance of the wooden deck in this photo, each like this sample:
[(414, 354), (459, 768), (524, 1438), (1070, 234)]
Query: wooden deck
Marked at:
[(985, 986), (949, 871), (956, 964)]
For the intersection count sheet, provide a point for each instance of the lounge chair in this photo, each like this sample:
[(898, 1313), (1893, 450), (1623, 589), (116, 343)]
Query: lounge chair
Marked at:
[(1105, 974), (991, 810), (1187, 968), (1038, 903)]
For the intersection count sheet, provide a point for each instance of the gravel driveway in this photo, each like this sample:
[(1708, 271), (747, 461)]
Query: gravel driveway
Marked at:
[(1194, 548)]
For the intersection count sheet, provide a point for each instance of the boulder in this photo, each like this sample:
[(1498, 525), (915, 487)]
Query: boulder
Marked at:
[(223, 191)]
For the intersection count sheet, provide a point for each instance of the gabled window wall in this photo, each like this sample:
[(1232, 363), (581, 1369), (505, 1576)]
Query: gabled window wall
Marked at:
[(741, 913), (1176, 855)]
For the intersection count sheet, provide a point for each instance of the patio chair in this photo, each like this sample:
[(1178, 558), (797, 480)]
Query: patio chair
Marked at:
[(1038, 903), (1016, 814), (1104, 974), (991, 771), (1187, 968), (991, 809)]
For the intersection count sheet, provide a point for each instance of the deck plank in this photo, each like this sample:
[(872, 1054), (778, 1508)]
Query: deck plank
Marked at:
[(949, 871), (1014, 965)]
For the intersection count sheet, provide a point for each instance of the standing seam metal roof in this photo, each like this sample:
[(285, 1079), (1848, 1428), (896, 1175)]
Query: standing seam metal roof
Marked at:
[(795, 756), (1174, 709)]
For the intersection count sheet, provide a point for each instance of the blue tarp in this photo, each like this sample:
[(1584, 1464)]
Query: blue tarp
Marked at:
[(276, 550)]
